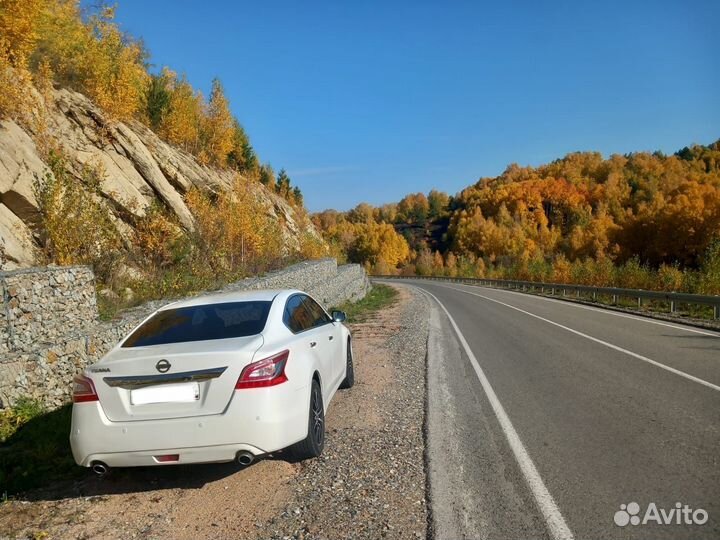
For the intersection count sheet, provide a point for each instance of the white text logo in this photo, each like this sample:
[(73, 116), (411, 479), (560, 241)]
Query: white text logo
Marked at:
[(629, 514)]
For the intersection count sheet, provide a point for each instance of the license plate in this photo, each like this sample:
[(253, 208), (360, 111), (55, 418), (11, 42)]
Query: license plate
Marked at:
[(166, 393)]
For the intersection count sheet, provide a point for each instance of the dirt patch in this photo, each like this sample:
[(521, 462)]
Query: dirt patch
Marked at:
[(370, 482), (206, 501)]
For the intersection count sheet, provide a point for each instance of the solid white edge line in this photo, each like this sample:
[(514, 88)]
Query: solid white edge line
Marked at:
[(596, 340), (553, 517), (604, 311)]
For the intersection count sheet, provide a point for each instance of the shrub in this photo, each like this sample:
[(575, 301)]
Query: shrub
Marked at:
[(634, 275), (312, 247), (234, 232), (709, 279), (76, 225), (670, 278)]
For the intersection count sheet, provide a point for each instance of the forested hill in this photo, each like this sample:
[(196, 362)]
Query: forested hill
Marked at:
[(641, 219)]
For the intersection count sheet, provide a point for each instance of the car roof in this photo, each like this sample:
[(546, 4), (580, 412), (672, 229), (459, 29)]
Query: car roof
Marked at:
[(261, 295)]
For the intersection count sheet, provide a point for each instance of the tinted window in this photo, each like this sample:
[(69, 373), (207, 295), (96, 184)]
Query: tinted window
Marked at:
[(296, 317), (318, 315), (199, 323)]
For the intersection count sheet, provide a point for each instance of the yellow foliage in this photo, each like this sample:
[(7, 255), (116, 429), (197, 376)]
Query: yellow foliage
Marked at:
[(16, 90), (118, 79), (18, 28), (561, 269), (312, 247), (218, 128), (93, 57), (234, 231), (374, 241), (156, 235), (77, 227), (670, 277), (181, 123)]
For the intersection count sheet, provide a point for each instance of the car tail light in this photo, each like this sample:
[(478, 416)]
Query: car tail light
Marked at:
[(83, 390), (266, 372), (167, 458)]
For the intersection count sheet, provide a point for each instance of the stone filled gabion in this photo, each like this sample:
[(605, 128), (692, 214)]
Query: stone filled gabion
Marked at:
[(50, 330)]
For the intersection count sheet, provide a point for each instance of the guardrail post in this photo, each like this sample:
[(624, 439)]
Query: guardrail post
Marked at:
[(563, 291), (717, 311), (639, 302), (614, 299), (672, 306), (594, 296)]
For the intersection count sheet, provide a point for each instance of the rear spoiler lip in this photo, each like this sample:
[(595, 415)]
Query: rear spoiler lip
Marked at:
[(133, 382)]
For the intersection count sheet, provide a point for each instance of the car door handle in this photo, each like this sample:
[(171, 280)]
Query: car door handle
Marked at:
[(313, 343), (331, 337)]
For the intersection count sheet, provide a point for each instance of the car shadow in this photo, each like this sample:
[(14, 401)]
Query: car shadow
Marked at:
[(135, 480), (36, 465)]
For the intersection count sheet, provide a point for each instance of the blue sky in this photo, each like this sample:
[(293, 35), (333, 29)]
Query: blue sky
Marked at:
[(371, 100)]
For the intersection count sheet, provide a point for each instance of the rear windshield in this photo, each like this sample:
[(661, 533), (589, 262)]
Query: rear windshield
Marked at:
[(200, 323)]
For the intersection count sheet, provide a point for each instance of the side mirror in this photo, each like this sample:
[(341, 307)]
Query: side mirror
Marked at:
[(339, 316)]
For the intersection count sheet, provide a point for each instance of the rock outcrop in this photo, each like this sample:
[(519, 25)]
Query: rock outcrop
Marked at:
[(138, 169)]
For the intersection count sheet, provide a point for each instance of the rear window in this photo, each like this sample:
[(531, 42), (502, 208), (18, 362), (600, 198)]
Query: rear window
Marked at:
[(200, 323)]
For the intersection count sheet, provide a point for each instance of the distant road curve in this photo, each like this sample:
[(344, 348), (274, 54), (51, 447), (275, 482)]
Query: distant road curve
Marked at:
[(544, 417)]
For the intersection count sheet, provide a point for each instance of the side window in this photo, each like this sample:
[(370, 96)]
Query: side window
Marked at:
[(296, 316), (319, 317)]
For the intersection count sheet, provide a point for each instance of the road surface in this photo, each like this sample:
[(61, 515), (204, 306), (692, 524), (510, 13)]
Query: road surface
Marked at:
[(544, 417)]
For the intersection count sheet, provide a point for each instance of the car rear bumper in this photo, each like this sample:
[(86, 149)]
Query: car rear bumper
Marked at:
[(196, 454), (257, 420)]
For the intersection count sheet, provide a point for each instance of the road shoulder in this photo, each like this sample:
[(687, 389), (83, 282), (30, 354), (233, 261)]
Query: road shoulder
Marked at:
[(476, 489)]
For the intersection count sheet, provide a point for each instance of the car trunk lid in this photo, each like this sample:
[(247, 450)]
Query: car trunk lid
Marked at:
[(171, 381)]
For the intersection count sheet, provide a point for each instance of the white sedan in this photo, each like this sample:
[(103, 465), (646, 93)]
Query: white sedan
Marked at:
[(216, 378)]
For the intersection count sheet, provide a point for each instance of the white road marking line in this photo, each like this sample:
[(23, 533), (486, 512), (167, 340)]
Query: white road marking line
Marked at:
[(596, 340), (553, 517), (606, 312)]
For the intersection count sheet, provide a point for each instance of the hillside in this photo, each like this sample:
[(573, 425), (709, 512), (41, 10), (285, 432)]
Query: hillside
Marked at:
[(103, 162), (639, 220), (136, 170)]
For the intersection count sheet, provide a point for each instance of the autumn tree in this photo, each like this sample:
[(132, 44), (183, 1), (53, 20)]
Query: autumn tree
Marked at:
[(362, 213), (413, 208), (180, 122), (218, 128), (234, 231), (19, 29), (76, 225), (375, 240), (437, 204)]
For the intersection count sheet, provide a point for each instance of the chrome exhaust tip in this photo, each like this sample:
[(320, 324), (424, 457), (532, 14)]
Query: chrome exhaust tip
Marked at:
[(245, 458), (99, 468)]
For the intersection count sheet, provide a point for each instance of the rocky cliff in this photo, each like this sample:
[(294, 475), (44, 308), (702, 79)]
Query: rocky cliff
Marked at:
[(137, 169)]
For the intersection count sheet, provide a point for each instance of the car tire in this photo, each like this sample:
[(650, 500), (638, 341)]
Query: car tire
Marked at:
[(312, 446), (349, 368)]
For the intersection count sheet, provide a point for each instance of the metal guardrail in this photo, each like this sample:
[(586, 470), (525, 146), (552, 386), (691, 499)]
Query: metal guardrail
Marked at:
[(673, 298)]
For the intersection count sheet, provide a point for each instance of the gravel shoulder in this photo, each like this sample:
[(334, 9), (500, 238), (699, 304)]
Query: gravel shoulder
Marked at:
[(369, 483)]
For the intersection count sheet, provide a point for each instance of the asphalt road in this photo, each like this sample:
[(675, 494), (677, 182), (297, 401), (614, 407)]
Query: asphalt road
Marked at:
[(544, 417)]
